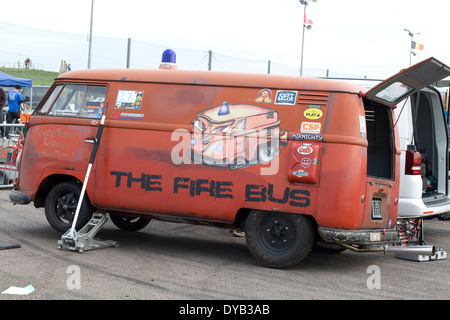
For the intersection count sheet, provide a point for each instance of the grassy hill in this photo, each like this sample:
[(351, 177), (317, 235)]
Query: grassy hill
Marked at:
[(39, 77)]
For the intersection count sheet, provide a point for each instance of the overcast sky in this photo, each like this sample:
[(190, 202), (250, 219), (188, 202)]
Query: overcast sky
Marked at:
[(363, 37)]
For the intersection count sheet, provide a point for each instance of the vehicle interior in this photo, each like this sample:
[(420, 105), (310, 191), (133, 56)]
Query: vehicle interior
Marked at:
[(380, 152), (431, 140)]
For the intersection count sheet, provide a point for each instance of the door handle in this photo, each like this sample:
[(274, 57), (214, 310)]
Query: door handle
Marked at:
[(92, 140)]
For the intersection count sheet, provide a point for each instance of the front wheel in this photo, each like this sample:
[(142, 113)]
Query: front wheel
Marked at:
[(61, 204), (279, 240)]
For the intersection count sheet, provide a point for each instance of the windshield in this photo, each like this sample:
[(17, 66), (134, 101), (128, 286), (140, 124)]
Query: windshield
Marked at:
[(80, 101)]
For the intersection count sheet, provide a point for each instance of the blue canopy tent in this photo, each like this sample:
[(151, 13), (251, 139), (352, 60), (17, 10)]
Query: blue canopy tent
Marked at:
[(10, 81)]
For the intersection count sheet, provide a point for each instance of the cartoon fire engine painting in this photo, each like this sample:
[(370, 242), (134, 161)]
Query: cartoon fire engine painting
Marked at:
[(236, 136)]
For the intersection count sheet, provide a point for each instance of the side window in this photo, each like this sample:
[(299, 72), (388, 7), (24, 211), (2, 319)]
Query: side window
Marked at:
[(74, 100)]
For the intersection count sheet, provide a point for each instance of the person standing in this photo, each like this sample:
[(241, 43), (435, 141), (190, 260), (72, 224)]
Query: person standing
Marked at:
[(15, 98), (2, 98), (2, 102)]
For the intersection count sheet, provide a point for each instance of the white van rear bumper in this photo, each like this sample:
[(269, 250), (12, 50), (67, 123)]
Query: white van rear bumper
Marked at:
[(408, 208)]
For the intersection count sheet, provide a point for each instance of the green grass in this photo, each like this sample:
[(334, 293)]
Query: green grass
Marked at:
[(39, 77)]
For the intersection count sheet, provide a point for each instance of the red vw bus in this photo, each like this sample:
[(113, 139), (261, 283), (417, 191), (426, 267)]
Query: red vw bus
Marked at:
[(336, 182)]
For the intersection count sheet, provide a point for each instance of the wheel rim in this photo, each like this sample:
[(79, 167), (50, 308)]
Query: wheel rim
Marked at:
[(129, 221), (277, 233), (66, 205)]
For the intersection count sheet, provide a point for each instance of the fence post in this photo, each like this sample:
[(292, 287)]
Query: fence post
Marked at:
[(209, 60), (128, 53)]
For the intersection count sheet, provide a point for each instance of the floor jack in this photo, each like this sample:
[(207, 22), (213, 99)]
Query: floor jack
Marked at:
[(84, 239), (411, 233)]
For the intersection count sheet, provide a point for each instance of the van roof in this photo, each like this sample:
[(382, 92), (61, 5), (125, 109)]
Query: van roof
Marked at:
[(213, 78)]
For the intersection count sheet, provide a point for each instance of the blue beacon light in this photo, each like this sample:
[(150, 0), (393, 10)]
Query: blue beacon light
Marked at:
[(168, 60)]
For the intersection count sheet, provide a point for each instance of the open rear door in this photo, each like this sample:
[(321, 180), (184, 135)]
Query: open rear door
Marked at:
[(408, 81)]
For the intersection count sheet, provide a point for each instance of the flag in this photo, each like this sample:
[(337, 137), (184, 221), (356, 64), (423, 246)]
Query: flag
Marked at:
[(307, 21), (417, 46)]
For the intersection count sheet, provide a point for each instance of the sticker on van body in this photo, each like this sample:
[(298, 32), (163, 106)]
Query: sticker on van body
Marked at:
[(305, 149), (313, 113), (310, 127), (127, 116), (307, 136), (362, 126), (286, 97), (129, 99), (264, 96)]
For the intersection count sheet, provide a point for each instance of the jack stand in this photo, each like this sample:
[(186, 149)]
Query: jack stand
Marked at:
[(84, 239), (411, 231)]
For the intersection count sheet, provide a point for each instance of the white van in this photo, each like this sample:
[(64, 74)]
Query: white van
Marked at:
[(424, 157)]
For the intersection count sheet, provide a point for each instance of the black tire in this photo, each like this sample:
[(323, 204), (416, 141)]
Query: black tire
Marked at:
[(444, 216), (61, 204), (279, 240), (129, 223)]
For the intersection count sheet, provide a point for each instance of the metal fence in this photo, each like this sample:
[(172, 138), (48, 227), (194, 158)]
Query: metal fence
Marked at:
[(135, 54), (12, 144)]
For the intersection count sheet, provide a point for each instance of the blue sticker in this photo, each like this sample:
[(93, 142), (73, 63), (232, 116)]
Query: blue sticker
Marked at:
[(286, 97)]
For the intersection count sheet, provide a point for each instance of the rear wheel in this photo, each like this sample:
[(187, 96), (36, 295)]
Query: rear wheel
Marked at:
[(279, 240), (61, 204), (129, 223)]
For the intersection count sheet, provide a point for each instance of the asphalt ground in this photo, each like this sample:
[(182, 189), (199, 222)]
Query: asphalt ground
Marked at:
[(178, 262)]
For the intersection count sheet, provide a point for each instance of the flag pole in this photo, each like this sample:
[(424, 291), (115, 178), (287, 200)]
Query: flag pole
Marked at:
[(411, 44), (304, 4), (303, 36)]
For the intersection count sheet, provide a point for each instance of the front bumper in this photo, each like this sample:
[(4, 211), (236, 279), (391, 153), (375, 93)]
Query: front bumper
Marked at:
[(358, 237), (19, 197)]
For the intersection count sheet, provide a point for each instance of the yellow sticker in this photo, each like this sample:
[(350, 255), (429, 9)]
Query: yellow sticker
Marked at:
[(313, 113)]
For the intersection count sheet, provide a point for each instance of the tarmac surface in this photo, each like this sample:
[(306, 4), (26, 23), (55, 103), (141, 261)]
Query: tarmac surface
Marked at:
[(169, 261)]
